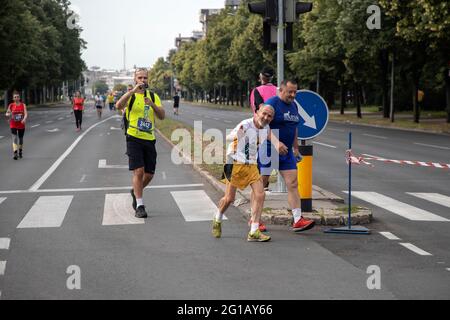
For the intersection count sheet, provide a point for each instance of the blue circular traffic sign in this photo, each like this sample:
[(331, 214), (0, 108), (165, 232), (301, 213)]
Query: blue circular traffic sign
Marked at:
[(314, 114)]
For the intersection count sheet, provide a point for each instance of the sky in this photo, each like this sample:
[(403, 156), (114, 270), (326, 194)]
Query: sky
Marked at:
[(149, 27)]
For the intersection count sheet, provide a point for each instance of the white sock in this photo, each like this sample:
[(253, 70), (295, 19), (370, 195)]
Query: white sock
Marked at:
[(297, 213), (218, 216), (140, 202), (254, 228)]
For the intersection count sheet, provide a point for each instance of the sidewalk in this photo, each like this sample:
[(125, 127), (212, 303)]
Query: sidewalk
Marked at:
[(326, 205)]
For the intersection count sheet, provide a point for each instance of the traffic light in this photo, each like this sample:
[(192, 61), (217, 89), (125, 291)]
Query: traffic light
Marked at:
[(267, 9), (294, 8)]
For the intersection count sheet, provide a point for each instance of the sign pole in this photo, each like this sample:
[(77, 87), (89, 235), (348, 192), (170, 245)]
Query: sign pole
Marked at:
[(348, 229), (281, 185)]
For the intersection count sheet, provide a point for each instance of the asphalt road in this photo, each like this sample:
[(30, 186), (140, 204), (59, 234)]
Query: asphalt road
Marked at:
[(63, 209), (410, 274)]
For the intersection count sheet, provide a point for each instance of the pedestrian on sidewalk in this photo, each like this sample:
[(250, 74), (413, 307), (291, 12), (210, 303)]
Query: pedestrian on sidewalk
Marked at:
[(265, 91), (141, 108), (285, 122), (19, 115), (241, 169), (78, 108)]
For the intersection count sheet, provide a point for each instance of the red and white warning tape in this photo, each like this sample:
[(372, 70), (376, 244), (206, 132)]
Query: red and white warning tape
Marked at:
[(413, 163)]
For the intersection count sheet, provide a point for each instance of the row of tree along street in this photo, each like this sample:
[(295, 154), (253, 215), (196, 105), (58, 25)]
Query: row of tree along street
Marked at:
[(334, 49), (40, 49)]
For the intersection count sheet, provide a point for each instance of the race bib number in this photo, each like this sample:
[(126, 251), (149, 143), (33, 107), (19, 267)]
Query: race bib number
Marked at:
[(18, 117), (145, 125)]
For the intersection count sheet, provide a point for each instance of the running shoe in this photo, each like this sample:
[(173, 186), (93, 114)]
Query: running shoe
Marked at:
[(303, 225), (16, 157), (217, 228), (258, 236), (141, 213), (20, 154)]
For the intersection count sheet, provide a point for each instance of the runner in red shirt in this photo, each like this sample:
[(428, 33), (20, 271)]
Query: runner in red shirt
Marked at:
[(18, 113), (78, 107)]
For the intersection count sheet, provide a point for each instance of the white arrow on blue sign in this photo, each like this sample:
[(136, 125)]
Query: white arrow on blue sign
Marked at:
[(314, 111)]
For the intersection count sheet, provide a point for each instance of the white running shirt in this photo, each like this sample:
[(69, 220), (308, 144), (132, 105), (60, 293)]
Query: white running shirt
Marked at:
[(244, 147)]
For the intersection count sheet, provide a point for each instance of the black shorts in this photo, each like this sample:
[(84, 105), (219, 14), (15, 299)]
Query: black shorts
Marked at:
[(99, 107), (141, 154), (176, 106), (19, 132)]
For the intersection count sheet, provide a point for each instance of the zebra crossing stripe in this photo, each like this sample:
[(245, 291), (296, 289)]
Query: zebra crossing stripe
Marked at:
[(415, 249), (2, 268), (47, 212), (118, 210), (390, 236), (195, 206), (402, 209), (4, 243), (433, 197)]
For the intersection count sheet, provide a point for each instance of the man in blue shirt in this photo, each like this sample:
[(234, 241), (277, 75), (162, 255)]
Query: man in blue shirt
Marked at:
[(285, 122)]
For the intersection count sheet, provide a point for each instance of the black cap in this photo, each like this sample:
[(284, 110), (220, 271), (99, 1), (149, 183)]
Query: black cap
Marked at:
[(267, 72)]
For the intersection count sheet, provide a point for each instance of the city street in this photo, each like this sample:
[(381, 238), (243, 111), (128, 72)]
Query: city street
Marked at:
[(66, 206)]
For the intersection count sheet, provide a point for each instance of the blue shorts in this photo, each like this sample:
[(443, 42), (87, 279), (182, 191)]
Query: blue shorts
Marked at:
[(267, 164)]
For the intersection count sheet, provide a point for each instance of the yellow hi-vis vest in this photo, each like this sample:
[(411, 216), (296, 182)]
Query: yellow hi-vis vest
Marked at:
[(138, 113)]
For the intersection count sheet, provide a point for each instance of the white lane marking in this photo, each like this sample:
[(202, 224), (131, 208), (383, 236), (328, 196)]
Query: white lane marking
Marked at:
[(390, 236), (102, 164), (415, 249), (117, 129), (2, 199), (431, 146), (35, 126), (1, 137), (47, 212), (164, 176), (2, 268), (48, 122), (373, 136), (53, 130), (83, 178), (325, 145), (448, 269), (195, 205), (58, 162), (118, 210), (59, 119), (173, 186), (402, 209), (4, 243), (433, 197), (228, 121), (217, 119)]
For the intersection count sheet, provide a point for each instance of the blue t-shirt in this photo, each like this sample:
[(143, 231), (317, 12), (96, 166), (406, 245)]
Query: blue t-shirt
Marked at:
[(286, 120)]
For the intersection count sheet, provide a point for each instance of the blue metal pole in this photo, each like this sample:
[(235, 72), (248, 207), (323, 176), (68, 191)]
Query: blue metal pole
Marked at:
[(350, 186)]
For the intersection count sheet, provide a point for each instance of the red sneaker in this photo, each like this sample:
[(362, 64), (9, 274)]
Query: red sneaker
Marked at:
[(262, 226), (303, 225)]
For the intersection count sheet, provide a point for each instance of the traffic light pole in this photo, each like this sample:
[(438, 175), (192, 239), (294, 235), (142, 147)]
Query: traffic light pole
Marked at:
[(281, 185)]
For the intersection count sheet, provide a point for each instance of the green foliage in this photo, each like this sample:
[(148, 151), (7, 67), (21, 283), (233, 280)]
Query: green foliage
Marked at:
[(37, 47), (333, 41)]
